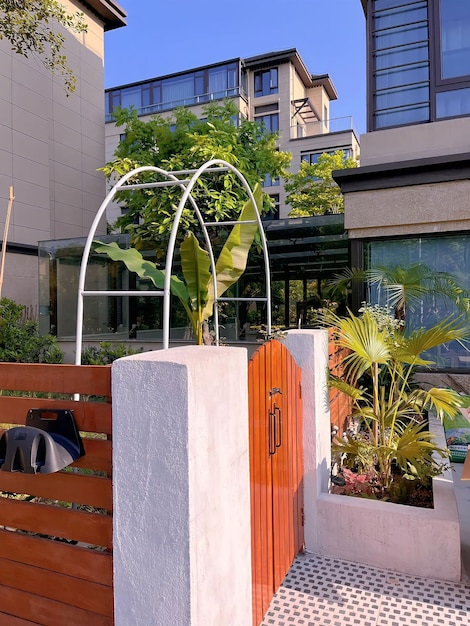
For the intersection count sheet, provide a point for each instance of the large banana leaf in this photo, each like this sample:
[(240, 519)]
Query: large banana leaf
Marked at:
[(234, 255), (135, 262), (195, 264)]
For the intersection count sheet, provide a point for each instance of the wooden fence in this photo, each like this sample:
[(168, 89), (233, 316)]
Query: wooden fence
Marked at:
[(56, 529)]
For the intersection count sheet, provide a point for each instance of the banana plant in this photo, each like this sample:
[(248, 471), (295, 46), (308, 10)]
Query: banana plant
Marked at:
[(198, 289)]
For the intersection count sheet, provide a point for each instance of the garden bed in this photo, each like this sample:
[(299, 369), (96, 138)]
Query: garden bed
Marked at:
[(408, 539)]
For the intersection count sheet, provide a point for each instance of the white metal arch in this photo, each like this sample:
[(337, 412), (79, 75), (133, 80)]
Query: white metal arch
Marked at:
[(186, 184)]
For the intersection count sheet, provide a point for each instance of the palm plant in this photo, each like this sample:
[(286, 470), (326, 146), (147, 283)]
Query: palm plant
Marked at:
[(407, 287), (390, 409)]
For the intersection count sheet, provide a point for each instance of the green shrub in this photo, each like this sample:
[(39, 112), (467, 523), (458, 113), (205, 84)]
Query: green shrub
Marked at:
[(106, 353), (20, 341)]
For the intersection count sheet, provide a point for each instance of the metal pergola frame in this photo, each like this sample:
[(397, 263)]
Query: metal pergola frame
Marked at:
[(190, 177)]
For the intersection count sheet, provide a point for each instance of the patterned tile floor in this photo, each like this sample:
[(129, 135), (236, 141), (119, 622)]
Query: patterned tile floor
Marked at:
[(332, 592)]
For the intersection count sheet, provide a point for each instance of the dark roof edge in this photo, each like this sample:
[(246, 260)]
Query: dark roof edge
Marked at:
[(172, 74), (113, 15), (404, 173), (293, 55), (364, 6)]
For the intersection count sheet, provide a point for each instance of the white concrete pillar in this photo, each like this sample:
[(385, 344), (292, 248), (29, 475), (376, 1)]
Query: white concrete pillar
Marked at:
[(182, 539), (310, 350)]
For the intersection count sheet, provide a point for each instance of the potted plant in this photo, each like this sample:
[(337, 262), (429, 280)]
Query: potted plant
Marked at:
[(392, 447)]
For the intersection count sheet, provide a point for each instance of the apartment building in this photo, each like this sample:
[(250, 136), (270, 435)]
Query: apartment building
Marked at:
[(51, 145), (275, 88), (409, 200)]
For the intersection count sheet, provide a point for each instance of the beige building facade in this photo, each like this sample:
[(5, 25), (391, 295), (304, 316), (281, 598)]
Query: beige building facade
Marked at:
[(275, 88), (51, 146)]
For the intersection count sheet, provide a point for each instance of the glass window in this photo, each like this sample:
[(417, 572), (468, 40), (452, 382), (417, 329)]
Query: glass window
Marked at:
[(402, 116), (218, 82), (266, 82), (178, 91), (401, 15), (455, 38), (405, 75), (403, 55), (270, 122), (131, 97), (401, 96), (453, 103), (271, 182), (443, 254), (400, 54), (274, 214), (401, 36)]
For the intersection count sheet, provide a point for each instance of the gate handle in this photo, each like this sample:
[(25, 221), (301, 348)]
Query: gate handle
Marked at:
[(277, 431), (272, 433)]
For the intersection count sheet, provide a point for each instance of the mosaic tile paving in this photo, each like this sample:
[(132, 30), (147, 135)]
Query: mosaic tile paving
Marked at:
[(331, 592)]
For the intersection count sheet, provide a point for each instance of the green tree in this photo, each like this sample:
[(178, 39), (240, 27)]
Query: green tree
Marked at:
[(181, 142), (31, 28), (312, 190)]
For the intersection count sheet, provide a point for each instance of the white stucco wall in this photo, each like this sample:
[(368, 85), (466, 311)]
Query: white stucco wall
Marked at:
[(310, 350), (182, 540)]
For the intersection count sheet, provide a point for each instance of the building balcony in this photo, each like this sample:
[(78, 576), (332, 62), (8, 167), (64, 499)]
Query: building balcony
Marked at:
[(323, 127)]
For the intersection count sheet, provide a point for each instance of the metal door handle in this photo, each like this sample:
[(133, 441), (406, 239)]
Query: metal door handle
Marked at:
[(277, 429), (271, 433)]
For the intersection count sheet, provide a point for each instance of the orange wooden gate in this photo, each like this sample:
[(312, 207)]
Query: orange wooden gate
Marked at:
[(276, 468), (56, 529)]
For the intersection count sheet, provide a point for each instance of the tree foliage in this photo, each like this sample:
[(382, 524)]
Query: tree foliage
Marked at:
[(182, 142), (312, 190), (31, 28)]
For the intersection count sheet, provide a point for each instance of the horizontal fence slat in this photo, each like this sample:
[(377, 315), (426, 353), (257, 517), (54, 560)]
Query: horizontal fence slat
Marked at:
[(57, 522), (98, 456), (92, 417), (64, 486), (50, 612), (57, 556), (92, 380), (67, 589)]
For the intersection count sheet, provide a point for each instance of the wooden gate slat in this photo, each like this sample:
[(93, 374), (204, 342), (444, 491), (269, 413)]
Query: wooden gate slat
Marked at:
[(276, 480), (57, 522), (67, 589), (11, 620), (64, 486), (50, 612), (57, 556)]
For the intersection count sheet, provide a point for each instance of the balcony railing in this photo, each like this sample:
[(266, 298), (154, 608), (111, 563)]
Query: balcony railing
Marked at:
[(184, 102), (323, 127)]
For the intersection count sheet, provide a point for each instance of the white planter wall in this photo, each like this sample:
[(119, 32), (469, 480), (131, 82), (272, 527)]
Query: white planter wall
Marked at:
[(410, 540)]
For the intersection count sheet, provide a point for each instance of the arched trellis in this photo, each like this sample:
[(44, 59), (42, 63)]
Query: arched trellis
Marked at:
[(187, 185)]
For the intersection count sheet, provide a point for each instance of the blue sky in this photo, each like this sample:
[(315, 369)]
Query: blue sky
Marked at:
[(164, 37)]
